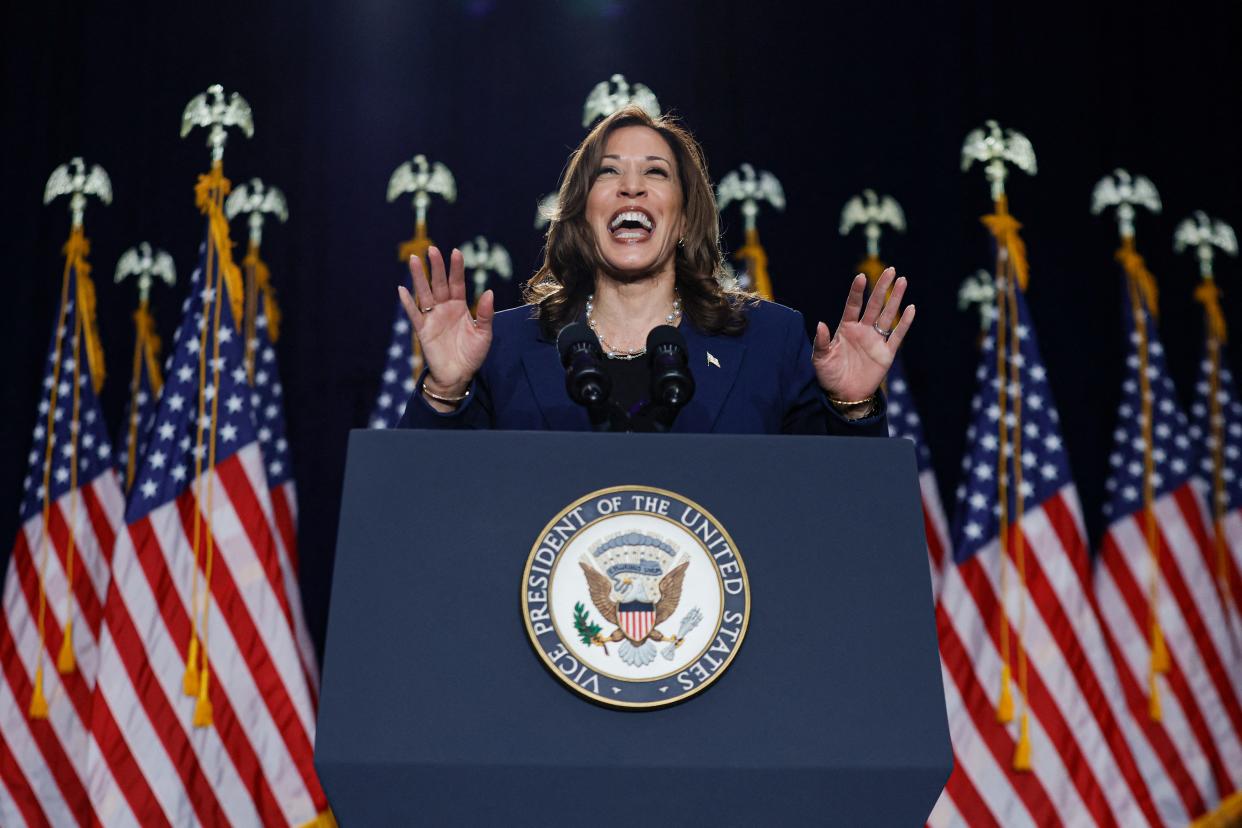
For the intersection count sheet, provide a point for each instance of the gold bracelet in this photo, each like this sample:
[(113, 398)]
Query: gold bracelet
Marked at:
[(427, 392), (848, 403)]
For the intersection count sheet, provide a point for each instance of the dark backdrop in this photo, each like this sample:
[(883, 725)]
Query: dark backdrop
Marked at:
[(831, 99)]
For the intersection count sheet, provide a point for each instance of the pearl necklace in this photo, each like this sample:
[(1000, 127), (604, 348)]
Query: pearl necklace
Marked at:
[(613, 353)]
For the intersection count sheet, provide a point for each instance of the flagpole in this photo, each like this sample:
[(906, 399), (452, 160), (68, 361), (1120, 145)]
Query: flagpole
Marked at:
[(748, 187), (209, 196), (995, 149), (1205, 235), (70, 179), (423, 179), (1125, 192)]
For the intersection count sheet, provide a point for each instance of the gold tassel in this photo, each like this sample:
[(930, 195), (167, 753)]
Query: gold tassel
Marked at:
[(64, 659), (189, 680), (1159, 652), (417, 246), (325, 819), (202, 708), (1134, 266), (1004, 707), (76, 250), (1004, 228), (871, 267), (756, 259), (1154, 710), (1022, 751), (38, 704), (207, 201), (144, 326), (1208, 295)]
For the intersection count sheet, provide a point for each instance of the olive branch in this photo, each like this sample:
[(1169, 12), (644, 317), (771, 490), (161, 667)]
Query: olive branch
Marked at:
[(587, 629)]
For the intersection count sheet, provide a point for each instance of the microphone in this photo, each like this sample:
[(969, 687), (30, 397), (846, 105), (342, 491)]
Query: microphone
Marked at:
[(587, 382), (672, 384)]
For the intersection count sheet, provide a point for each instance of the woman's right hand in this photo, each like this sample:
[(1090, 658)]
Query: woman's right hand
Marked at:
[(454, 343)]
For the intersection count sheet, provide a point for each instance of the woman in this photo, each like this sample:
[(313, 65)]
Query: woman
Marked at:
[(634, 245)]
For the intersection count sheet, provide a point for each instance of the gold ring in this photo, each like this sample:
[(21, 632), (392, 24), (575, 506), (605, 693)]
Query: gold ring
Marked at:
[(427, 310)]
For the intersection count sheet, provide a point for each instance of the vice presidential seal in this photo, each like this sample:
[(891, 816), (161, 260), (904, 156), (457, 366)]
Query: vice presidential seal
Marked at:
[(635, 597)]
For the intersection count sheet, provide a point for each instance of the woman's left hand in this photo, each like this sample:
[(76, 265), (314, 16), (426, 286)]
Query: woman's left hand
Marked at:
[(852, 364)]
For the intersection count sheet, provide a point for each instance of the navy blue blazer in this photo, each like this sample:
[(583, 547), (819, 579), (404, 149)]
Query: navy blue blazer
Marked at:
[(760, 382)]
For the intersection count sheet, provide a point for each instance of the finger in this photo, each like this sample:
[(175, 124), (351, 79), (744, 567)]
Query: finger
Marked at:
[(893, 306), (457, 275), (485, 312), (823, 337), (899, 333), (853, 303), (422, 290), (411, 308), (878, 294), (439, 282)]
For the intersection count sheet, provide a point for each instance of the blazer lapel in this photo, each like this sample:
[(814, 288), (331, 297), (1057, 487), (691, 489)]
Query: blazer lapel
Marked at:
[(547, 383), (714, 362)]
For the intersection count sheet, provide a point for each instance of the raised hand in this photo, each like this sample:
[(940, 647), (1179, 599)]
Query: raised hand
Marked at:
[(851, 365), (454, 343)]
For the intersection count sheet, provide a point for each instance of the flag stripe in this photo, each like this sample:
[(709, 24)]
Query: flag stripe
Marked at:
[(1013, 798), (1089, 709), (122, 774), (1092, 745), (233, 635), (152, 602), (1128, 561), (1125, 568), (17, 799), (251, 475), (1063, 760), (39, 744), (1171, 740), (241, 557)]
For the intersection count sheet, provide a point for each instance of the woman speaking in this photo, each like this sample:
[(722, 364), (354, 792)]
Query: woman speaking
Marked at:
[(634, 244)]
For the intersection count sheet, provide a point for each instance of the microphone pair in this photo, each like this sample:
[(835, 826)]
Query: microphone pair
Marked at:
[(590, 385)]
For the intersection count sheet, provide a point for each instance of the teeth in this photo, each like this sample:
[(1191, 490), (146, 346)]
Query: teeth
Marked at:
[(631, 215)]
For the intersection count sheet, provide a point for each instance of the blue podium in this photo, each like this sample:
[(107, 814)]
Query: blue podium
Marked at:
[(439, 708)]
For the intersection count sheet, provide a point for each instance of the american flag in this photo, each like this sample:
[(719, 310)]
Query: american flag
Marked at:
[(1087, 758), (1222, 488), (43, 758), (903, 421), (1194, 721), (228, 741), (400, 372), (144, 393), (267, 399)]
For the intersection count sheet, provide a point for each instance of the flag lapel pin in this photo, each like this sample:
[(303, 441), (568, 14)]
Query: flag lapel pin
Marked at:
[(711, 360)]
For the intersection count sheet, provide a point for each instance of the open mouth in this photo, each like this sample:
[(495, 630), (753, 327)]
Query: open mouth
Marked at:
[(631, 224)]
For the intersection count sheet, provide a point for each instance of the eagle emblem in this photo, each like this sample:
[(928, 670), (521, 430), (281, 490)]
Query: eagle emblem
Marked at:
[(635, 582)]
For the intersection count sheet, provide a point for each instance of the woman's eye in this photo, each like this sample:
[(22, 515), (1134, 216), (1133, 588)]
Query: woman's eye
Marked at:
[(606, 171), (658, 171)]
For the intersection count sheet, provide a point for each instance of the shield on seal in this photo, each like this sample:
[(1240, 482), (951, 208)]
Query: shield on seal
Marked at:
[(636, 620)]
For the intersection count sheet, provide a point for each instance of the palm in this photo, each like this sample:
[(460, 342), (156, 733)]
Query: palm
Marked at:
[(454, 343), (851, 365)]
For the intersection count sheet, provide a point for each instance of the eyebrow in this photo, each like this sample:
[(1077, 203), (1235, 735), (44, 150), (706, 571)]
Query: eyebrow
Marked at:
[(648, 158)]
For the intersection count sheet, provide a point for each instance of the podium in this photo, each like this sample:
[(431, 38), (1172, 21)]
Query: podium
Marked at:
[(437, 709)]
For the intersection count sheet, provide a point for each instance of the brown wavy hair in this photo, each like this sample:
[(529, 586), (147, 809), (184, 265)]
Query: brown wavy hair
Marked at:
[(560, 288)]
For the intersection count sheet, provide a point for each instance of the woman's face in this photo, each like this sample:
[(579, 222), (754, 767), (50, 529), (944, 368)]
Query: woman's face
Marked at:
[(635, 204)]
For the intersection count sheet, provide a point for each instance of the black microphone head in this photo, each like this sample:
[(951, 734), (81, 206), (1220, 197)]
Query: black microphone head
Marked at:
[(665, 335), (672, 383), (578, 333)]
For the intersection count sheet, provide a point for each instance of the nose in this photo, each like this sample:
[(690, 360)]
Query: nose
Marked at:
[(632, 183)]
